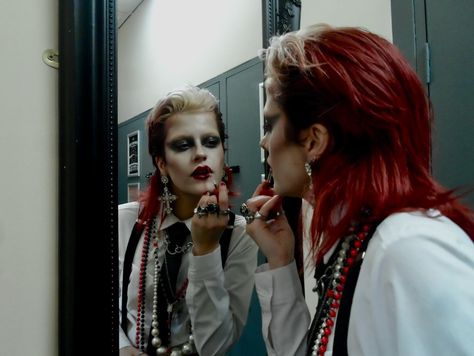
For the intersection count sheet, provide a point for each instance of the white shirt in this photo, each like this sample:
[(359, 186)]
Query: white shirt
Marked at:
[(414, 295), (217, 300)]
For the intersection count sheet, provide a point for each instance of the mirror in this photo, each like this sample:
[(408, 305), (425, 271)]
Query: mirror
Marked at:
[(88, 281)]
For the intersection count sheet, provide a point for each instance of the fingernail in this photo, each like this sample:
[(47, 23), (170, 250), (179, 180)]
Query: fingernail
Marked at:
[(222, 184)]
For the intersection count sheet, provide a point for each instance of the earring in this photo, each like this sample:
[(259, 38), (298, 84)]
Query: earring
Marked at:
[(309, 172), (167, 198)]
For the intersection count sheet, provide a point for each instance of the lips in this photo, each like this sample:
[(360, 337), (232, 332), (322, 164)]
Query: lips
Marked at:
[(201, 172)]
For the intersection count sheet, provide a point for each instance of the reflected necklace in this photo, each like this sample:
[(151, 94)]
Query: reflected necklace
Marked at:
[(330, 287), (184, 349)]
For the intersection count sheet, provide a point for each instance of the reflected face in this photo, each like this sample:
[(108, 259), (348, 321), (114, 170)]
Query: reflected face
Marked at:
[(194, 153), (285, 158)]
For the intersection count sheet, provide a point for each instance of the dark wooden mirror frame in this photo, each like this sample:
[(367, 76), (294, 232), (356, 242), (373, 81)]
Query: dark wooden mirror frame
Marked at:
[(87, 227), (88, 288)]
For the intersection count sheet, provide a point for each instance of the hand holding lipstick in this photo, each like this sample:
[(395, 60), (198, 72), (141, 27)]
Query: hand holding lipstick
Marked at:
[(271, 231), (210, 220)]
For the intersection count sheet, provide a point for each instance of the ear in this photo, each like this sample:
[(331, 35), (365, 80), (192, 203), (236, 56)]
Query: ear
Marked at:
[(315, 140), (161, 164)]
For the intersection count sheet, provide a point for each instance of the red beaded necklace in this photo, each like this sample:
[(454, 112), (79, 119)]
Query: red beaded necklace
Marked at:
[(330, 287), (152, 235)]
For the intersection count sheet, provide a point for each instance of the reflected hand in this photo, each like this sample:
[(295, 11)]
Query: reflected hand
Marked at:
[(131, 351), (274, 235), (207, 229)]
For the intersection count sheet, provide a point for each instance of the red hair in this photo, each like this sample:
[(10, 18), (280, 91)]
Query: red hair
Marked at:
[(365, 93)]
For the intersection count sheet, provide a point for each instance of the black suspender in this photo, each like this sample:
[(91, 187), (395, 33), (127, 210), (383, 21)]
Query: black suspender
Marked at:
[(127, 268), (344, 313)]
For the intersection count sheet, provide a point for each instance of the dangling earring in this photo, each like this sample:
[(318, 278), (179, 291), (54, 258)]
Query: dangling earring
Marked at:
[(309, 172), (167, 198)]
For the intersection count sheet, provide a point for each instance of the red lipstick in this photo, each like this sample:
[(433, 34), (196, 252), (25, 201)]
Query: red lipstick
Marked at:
[(202, 173)]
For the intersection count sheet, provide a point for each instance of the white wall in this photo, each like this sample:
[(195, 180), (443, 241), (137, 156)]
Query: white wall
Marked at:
[(166, 44), (28, 179), (374, 15)]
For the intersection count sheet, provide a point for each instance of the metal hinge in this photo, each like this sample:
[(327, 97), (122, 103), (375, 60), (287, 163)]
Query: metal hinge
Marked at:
[(427, 63)]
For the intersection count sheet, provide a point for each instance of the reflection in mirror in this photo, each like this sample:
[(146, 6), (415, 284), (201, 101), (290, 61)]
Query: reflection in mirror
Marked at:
[(162, 46)]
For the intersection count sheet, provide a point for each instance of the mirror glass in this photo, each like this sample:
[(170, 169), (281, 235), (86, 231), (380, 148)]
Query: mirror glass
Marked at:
[(163, 45)]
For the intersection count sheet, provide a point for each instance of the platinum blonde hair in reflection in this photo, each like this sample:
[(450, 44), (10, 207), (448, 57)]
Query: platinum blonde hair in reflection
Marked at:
[(183, 100)]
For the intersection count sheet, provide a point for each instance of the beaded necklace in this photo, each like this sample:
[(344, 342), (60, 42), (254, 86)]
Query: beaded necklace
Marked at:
[(158, 281), (330, 287)]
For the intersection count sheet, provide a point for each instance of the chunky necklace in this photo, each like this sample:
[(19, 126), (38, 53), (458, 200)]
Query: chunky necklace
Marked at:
[(330, 287), (184, 349)]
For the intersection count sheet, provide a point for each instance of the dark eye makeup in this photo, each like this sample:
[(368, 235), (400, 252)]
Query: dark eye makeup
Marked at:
[(269, 122), (184, 143)]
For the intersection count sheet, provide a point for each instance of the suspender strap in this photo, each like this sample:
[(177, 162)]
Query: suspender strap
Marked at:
[(225, 238), (343, 315), (127, 269)]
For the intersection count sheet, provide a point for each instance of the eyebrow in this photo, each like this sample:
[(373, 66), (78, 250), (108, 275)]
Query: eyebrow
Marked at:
[(191, 137), (270, 117)]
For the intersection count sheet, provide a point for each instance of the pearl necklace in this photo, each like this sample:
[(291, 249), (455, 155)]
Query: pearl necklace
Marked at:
[(184, 349), (330, 295)]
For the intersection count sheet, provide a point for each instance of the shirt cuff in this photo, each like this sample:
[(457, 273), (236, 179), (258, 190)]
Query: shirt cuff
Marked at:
[(205, 266), (281, 284)]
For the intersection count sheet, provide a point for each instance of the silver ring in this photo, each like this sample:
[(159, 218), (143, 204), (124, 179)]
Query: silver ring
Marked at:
[(200, 212), (212, 208), (260, 216), (224, 212), (248, 214)]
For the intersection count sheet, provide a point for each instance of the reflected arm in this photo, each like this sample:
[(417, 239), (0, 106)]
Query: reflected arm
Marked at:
[(218, 300)]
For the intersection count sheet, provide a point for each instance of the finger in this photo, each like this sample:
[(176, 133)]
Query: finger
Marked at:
[(223, 197), (271, 207), (258, 189), (256, 202)]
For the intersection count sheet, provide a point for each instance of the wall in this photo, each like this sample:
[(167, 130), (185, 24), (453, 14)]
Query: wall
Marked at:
[(166, 44), (29, 160), (374, 15)]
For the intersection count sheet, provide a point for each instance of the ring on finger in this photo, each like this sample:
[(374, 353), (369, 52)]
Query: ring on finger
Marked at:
[(248, 214), (260, 216), (212, 208), (224, 212), (200, 212)]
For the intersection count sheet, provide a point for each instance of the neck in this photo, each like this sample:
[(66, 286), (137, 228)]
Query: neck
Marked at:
[(184, 206)]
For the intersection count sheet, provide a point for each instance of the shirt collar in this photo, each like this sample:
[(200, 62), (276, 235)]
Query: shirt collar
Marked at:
[(172, 219)]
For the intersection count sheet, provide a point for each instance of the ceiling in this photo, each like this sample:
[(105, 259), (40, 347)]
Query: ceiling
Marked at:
[(125, 8)]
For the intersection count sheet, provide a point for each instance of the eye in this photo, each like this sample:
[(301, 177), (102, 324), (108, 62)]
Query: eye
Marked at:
[(180, 145), (211, 141), (269, 123), (267, 126)]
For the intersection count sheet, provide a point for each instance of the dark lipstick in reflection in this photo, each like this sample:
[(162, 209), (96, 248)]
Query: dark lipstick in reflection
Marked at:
[(202, 173)]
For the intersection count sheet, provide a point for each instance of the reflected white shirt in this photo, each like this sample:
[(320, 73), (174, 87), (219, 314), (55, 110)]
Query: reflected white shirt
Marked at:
[(217, 300)]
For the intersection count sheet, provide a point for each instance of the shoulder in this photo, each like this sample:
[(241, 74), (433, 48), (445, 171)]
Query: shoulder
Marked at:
[(421, 229), (419, 245), (129, 208), (127, 215), (414, 284)]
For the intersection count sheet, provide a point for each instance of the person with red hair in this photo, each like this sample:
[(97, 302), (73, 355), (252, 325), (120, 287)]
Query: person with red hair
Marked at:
[(348, 129), (186, 262)]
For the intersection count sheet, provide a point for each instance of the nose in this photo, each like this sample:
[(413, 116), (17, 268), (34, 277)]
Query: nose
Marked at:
[(200, 154)]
